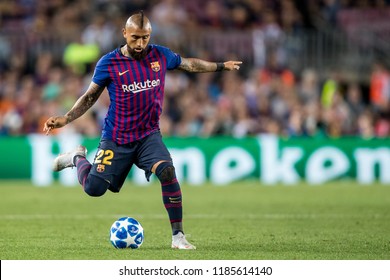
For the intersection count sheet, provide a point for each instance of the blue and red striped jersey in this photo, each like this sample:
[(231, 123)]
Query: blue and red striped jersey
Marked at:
[(136, 90)]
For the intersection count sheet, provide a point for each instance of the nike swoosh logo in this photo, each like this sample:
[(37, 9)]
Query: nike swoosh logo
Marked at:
[(124, 72)]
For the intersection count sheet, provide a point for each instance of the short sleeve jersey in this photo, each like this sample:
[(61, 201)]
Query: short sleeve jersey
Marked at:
[(136, 91)]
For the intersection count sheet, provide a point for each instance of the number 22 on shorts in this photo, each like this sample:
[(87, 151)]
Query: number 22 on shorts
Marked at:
[(104, 157)]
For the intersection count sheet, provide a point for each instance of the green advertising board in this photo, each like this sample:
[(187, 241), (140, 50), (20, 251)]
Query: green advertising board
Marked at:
[(268, 159)]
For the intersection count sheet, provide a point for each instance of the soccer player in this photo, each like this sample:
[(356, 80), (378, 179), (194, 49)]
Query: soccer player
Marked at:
[(134, 75)]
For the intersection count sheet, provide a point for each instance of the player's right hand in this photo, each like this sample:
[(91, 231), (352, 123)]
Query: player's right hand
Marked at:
[(54, 122)]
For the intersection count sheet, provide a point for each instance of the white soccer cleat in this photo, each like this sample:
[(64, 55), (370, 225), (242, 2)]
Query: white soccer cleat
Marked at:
[(179, 241), (66, 160)]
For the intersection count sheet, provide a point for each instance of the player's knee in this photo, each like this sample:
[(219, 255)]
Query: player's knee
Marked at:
[(165, 172), (96, 192), (96, 186)]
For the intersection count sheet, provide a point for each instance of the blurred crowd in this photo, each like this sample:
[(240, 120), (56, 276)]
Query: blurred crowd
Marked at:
[(48, 50)]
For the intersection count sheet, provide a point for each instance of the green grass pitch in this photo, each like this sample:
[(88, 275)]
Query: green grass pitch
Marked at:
[(245, 221)]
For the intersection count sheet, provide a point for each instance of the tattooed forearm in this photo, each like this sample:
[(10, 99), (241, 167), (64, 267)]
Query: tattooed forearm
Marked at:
[(85, 102), (197, 65)]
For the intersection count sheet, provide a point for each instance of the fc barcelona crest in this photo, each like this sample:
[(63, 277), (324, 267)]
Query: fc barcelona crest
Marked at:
[(155, 66), (100, 168)]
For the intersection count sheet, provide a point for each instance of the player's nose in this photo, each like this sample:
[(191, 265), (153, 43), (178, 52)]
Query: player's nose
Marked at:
[(140, 43)]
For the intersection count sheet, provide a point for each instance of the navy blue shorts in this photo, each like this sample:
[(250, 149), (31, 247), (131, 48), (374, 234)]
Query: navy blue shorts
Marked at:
[(113, 162)]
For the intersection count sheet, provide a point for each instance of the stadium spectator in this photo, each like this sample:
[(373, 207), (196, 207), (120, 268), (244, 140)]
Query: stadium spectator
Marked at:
[(100, 32), (34, 35), (380, 87)]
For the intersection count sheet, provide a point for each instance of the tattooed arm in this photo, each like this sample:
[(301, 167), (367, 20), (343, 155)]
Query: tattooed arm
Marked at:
[(79, 108), (199, 65), (85, 102)]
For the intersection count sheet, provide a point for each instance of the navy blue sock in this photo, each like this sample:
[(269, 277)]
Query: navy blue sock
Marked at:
[(83, 168), (171, 194)]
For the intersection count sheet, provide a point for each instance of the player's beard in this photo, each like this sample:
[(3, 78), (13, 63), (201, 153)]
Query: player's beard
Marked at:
[(137, 55)]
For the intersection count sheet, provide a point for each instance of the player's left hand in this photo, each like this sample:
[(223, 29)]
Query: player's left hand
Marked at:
[(232, 65)]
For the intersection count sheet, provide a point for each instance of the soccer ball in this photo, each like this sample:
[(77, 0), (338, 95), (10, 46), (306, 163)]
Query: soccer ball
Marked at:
[(126, 232)]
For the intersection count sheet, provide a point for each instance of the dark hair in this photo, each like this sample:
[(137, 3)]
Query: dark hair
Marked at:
[(141, 19)]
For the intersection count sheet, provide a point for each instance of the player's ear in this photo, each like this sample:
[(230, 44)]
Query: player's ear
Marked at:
[(124, 32)]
